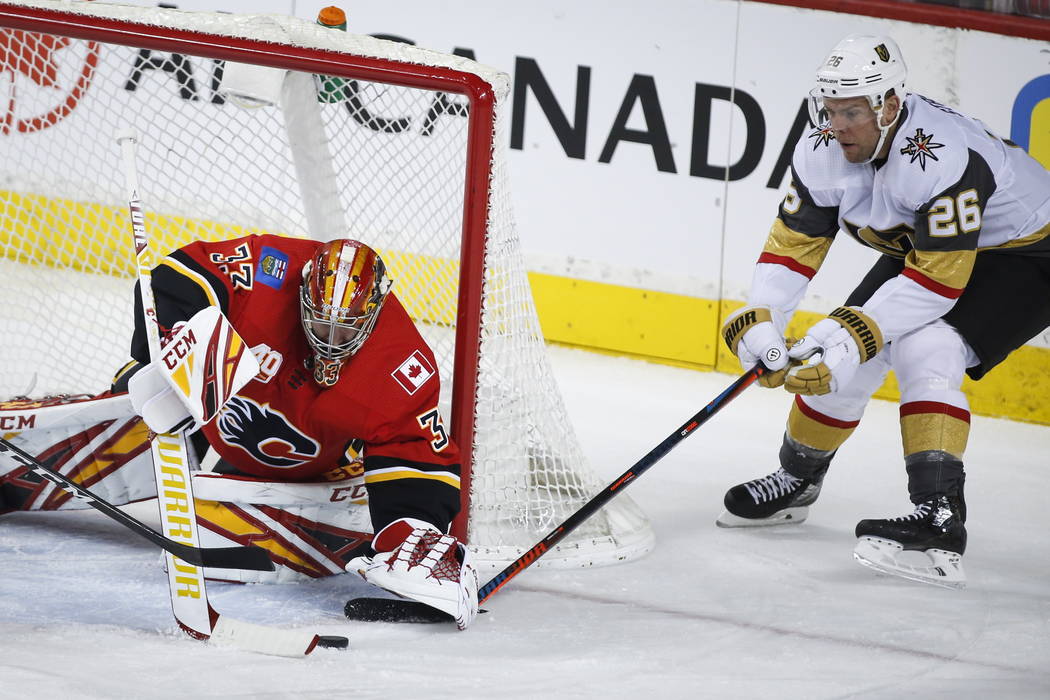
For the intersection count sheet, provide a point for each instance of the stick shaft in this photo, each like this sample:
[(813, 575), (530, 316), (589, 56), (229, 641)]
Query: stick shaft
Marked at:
[(619, 484), (189, 598)]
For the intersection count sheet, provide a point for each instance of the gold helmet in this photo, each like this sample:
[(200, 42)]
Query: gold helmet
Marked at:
[(343, 289)]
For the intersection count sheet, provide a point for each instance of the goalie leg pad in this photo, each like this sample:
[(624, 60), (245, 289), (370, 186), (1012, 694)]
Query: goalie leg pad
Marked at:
[(99, 443), (310, 530), (417, 561)]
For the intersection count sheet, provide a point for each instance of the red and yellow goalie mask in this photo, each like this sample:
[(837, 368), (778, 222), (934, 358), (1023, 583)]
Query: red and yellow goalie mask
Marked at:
[(343, 289)]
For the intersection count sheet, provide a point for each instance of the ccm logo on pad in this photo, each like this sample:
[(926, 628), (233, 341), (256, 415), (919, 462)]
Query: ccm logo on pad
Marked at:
[(413, 372)]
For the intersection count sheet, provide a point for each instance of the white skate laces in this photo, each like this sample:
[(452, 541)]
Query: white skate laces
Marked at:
[(777, 484)]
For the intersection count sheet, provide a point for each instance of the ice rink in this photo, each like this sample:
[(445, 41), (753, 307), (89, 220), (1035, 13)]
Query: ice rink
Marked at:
[(710, 613)]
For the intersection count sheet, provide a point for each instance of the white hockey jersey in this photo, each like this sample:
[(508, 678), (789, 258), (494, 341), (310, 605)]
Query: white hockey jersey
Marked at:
[(948, 190)]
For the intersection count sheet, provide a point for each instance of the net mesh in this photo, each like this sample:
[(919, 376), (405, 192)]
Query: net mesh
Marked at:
[(323, 157)]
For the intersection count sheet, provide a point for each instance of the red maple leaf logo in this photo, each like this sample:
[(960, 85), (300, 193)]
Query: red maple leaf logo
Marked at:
[(32, 54), (414, 371)]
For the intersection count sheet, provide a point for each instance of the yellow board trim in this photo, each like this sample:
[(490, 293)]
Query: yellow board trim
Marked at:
[(661, 327), (658, 325), (81, 235), (1039, 138)]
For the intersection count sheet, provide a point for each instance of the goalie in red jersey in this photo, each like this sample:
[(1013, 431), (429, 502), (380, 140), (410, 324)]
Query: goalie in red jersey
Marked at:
[(345, 379)]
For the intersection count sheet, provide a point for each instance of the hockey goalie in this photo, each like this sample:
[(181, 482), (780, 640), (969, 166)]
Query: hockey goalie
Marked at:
[(333, 456)]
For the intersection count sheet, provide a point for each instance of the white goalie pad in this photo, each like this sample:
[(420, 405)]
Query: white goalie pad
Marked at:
[(310, 530), (934, 566), (100, 443)]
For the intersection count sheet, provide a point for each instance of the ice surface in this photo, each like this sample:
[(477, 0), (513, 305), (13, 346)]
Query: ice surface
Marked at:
[(711, 613)]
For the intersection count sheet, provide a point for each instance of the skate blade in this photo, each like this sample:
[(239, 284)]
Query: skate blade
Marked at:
[(935, 567), (788, 516)]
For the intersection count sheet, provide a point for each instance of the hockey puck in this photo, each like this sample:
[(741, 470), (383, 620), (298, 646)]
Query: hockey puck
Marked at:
[(332, 642)]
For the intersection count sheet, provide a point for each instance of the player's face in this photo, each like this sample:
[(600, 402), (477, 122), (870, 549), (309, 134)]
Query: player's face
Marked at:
[(337, 335), (853, 121)]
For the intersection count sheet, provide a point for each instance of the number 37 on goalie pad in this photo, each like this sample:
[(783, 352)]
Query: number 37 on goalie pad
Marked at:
[(201, 366)]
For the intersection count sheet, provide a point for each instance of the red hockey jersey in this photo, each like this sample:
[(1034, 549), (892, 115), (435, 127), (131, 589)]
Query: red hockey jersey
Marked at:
[(282, 425)]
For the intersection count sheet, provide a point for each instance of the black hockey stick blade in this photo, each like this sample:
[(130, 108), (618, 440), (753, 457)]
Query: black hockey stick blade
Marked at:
[(393, 610), (367, 609)]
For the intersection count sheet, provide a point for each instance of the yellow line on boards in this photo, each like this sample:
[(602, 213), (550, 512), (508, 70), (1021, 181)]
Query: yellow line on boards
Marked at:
[(671, 329)]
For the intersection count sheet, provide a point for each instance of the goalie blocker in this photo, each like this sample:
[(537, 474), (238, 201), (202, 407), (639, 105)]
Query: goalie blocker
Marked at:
[(203, 363)]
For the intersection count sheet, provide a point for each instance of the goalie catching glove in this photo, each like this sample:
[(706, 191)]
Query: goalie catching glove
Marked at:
[(752, 336), (202, 364), (415, 560), (832, 351)]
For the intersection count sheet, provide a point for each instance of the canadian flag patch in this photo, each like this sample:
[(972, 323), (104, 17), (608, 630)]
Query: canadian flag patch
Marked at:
[(414, 372)]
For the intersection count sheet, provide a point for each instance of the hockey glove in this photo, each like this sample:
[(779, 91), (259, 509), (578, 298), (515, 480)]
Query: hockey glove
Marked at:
[(153, 398), (203, 363), (414, 560), (752, 336), (831, 352)]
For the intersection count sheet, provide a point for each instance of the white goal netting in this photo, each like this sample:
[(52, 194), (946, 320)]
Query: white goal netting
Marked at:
[(403, 148)]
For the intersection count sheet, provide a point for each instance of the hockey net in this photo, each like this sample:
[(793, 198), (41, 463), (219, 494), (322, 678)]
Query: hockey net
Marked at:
[(357, 137)]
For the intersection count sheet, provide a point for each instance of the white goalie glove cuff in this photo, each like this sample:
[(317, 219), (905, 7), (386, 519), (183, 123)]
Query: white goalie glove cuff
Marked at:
[(415, 560), (160, 407)]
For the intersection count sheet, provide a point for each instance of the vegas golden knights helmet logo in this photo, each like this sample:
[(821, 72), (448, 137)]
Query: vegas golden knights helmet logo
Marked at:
[(882, 52)]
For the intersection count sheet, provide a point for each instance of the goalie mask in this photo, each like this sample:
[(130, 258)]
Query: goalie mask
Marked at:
[(343, 289), (860, 66)]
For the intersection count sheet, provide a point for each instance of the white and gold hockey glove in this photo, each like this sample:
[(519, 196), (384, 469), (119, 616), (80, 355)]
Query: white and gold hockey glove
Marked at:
[(752, 335), (831, 352), (415, 560)]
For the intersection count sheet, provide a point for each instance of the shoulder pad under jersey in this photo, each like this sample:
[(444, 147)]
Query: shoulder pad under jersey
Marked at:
[(929, 152)]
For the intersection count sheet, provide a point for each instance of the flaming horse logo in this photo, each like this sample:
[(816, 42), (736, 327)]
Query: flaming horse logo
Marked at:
[(265, 433)]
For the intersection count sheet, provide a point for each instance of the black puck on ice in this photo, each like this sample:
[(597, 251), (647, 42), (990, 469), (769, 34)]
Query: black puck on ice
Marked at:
[(332, 642)]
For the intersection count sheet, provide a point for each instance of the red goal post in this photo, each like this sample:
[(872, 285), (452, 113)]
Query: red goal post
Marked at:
[(359, 162)]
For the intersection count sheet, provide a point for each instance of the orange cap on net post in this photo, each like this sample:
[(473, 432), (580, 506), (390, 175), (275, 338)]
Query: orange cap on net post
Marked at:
[(332, 17)]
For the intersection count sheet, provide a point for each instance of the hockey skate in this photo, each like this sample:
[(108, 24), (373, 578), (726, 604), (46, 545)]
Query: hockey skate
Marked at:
[(925, 546), (776, 499)]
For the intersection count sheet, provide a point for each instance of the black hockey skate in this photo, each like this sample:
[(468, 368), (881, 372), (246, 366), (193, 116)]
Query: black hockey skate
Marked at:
[(925, 546), (777, 499)]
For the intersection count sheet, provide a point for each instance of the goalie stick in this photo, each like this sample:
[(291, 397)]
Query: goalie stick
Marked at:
[(251, 558), (189, 598), (373, 609)]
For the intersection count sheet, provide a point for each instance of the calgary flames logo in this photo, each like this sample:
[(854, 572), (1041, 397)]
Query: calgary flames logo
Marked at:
[(55, 75)]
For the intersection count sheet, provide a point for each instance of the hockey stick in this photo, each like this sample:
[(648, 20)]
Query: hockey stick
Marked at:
[(382, 609), (189, 598), (251, 558)]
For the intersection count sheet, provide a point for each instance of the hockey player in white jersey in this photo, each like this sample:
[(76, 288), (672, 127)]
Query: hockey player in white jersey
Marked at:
[(962, 219)]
